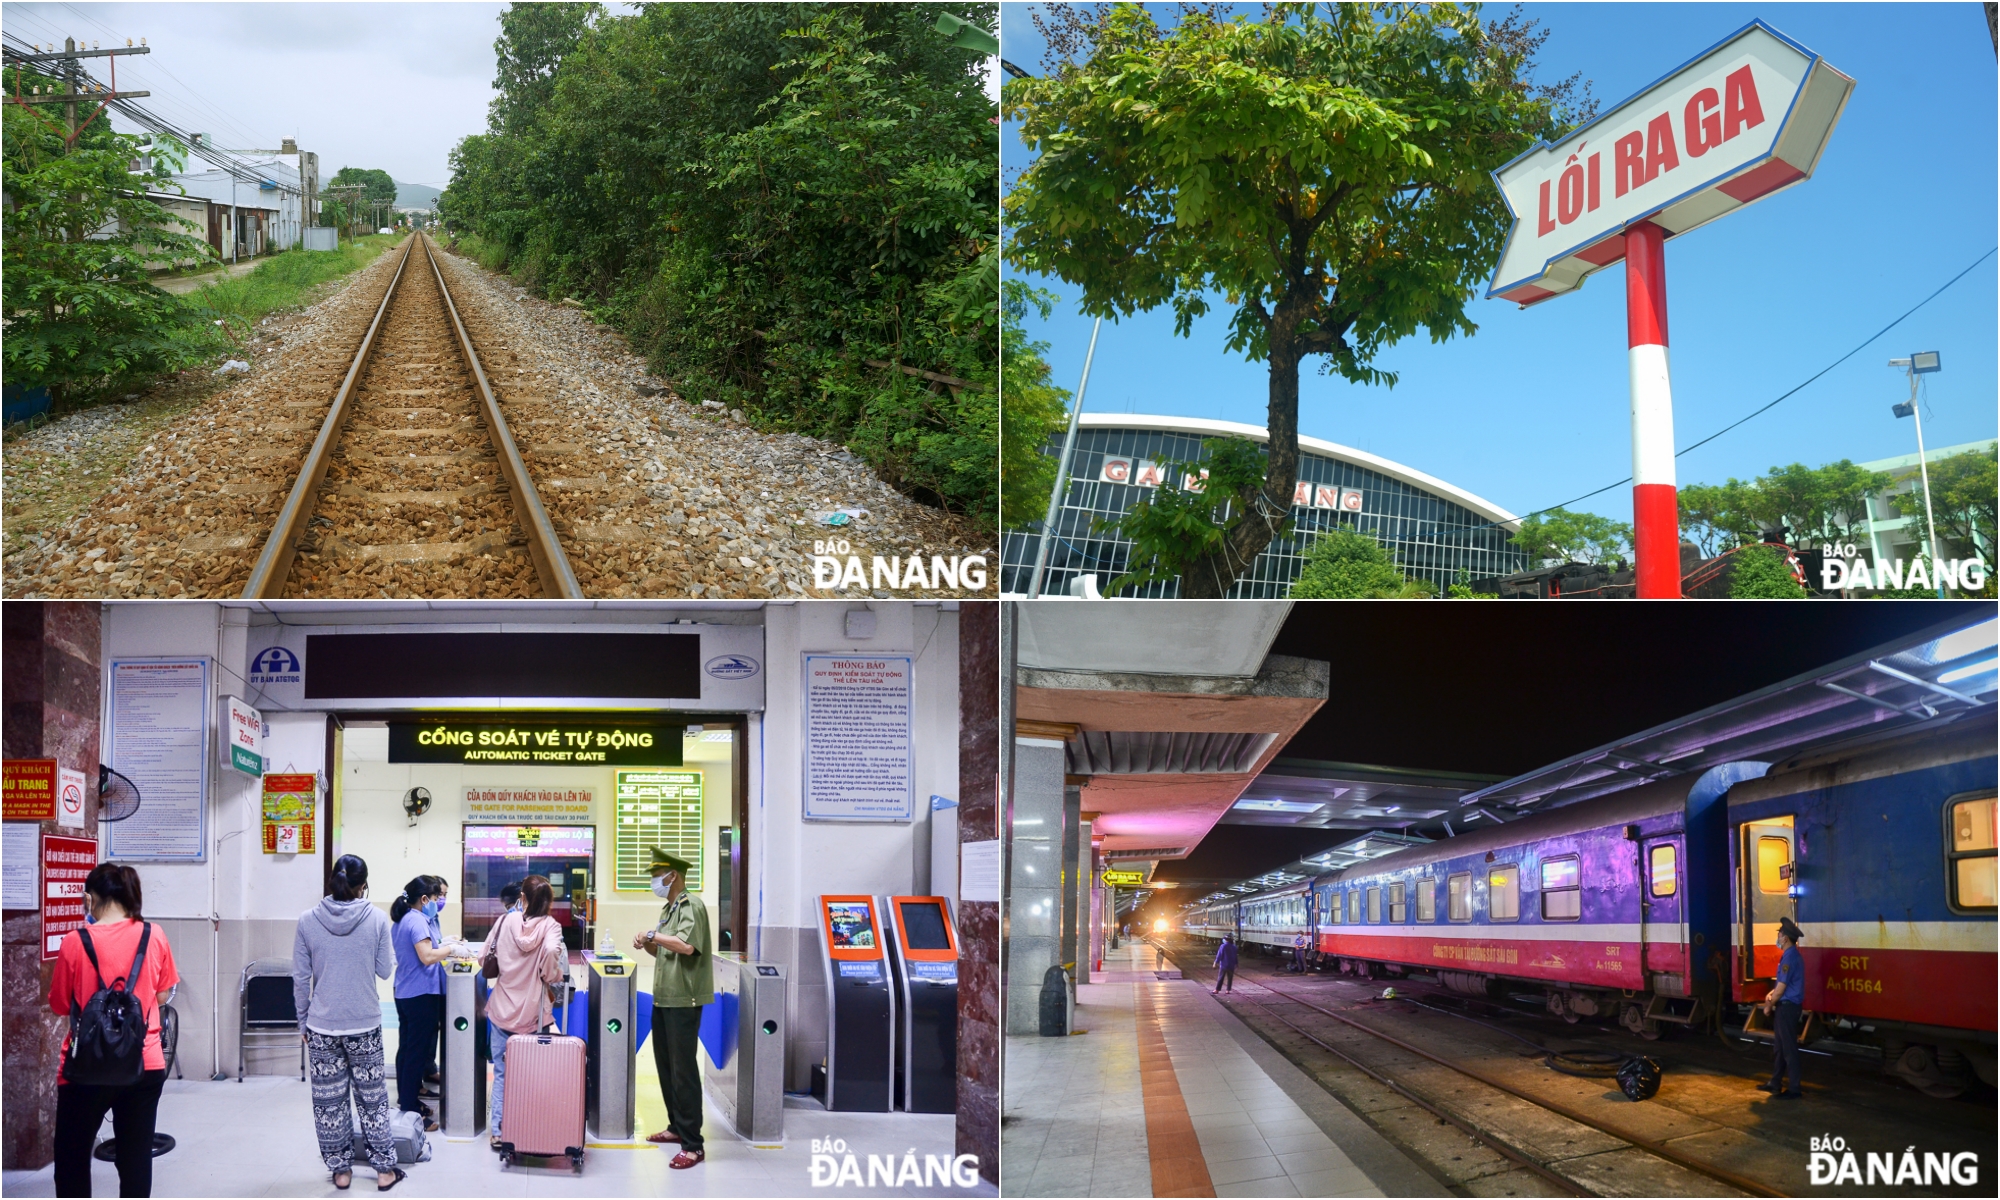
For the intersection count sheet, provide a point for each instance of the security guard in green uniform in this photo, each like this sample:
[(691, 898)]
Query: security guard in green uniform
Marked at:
[(683, 981)]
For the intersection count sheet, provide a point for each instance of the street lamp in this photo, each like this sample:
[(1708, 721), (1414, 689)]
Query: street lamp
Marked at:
[(1062, 470), (1921, 363)]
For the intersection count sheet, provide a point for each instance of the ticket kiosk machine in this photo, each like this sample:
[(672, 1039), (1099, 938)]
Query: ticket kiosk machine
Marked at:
[(923, 961), (861, 1005)]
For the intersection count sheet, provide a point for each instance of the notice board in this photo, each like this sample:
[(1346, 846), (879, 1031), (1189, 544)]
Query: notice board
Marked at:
[(859, 761), (157, 731)]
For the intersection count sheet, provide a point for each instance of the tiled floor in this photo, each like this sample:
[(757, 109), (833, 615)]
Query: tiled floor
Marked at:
[(256, 1139), (1168, 1094), (1073, 1121)]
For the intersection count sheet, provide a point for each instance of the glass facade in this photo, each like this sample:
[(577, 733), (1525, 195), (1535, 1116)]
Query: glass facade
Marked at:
[(1432, 537)]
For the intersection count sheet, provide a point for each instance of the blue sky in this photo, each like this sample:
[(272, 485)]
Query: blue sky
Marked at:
[(1532, 410)]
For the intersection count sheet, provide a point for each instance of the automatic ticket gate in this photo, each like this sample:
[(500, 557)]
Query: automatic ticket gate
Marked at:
[(743, 1046), (923, 960), (610, 1043), (464, 1068), (861, 1006)]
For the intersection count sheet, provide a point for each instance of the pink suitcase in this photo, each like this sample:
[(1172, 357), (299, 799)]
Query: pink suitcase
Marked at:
[(543, 1117)]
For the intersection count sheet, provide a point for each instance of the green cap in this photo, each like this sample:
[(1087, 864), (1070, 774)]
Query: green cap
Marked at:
[(663, 861)]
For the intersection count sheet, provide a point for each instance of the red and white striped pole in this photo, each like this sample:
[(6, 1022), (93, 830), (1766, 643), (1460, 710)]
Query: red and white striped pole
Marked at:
[(1656, 532)]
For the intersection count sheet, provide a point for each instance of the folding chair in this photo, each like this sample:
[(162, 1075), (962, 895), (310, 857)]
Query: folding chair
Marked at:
[(267, 1010)]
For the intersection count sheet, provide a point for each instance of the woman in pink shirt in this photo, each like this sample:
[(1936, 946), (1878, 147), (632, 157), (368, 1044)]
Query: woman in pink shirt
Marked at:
[(529, 946), (111, 892)]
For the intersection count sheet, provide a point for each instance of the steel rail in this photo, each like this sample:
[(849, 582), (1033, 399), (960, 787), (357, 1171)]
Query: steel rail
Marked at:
[(274, 564), (1482, 1136), (1669, 1154), (558, 580)]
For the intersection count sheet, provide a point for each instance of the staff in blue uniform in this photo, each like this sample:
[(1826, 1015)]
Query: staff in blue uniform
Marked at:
[(1787, 998)]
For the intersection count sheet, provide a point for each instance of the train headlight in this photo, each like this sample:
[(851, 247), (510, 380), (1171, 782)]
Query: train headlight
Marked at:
[(1160, 926)]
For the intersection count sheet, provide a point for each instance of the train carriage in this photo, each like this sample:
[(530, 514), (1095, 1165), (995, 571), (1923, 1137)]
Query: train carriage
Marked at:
[(1885, 856), (1600, 903)]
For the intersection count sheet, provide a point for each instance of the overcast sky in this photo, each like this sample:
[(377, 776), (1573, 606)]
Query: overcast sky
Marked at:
[(389, 86)]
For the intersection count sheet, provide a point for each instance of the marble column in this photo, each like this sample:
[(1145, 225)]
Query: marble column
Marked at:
[(979, 923), (53, 678)]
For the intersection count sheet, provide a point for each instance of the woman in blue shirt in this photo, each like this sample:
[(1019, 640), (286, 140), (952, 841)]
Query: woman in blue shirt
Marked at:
[(419, 989)]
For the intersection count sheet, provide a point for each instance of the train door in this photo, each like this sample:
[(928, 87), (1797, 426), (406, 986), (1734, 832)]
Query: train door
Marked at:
[(1662, 946), (1765, 872)]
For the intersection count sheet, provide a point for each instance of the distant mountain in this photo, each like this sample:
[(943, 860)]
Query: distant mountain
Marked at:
[(416, 195)]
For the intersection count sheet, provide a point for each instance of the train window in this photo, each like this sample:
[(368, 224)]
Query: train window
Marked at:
[(1374, 906), (1333, 906), (1458, 891), (1354, 907), (1663, 870), (1399, 912), (1973, 854), (1774, 865), (1562, 895), (1427, 900), (1504, 883)]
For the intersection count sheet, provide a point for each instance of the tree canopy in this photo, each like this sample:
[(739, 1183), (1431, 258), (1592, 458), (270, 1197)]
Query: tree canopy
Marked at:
[(1559, 536), (381, 188), (1324, 171), (1345, 565), (788, 207)]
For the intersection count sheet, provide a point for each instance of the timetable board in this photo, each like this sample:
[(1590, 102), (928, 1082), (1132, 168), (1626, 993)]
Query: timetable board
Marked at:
[(656, 808)]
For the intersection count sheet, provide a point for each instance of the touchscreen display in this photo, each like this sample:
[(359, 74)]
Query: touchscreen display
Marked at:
[(853, 925), (923, 925)]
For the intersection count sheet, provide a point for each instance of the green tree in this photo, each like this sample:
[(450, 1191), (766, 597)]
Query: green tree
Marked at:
[(1560, 536), (1715, 516), (1180, 525), (1345, 565), (1036, 410), (1761, 573), (788, 207), (82, 315), (1964, 491), (1325, 171)]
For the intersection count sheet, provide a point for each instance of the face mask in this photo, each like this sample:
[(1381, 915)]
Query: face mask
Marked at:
[(89, 918), (433, 907), (663, 886)]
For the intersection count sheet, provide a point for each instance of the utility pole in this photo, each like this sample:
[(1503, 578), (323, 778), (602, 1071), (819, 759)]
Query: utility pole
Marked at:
[(70, 98)]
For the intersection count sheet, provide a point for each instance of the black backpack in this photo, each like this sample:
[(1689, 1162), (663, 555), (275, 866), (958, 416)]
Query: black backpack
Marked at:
[(107, 1043)]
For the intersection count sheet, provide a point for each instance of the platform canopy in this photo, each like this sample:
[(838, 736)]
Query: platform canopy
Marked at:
[(1934, 676), (1166, 712)]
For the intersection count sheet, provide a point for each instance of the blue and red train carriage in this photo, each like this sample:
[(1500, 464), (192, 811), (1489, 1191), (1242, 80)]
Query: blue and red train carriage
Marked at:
[(1659, 904)]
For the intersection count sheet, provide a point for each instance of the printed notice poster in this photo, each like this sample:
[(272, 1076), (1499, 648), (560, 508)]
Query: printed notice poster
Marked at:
[(529, 805), (858, 760), (30, 789), (66, 863), (20, 866), (158, 735)]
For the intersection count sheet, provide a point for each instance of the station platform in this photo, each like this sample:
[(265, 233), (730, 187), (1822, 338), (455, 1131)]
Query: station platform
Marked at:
[(1163, 1092), (256, 1139)]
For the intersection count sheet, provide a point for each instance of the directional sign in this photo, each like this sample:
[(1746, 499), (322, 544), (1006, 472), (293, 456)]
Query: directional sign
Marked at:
[(1124, 878), (1744, 119)]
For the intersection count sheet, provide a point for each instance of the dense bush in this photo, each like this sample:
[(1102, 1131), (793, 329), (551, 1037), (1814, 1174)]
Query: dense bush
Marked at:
[(781, 205)]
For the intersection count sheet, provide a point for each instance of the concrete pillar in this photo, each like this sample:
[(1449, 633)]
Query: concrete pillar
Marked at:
[(1086, 920), (1034, 858), (1075, 842), (53, 680), (979, 924)]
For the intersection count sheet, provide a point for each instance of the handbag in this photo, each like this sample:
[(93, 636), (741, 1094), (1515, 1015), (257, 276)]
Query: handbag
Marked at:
[(489, 963)]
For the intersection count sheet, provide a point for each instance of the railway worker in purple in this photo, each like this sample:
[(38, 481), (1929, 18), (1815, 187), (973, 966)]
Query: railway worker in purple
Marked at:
[(1786, 998), (1225, 966)]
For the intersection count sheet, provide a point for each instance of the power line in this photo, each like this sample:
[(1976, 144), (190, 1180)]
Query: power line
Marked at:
[(212, 114)]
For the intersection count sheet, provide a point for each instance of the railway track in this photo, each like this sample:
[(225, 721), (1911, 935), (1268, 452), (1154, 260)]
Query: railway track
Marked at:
[(414, 484), (1518, 1144)]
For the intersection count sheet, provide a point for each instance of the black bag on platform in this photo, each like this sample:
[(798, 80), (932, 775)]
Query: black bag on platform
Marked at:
[(1639, 1078), (107, 1043)]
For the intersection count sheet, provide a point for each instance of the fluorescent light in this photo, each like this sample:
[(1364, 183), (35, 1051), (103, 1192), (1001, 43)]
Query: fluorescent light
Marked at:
[(1967, 672), (1982, 636)]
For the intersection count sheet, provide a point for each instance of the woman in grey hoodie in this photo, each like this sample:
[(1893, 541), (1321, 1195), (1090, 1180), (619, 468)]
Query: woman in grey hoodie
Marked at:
[(343, 946)]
